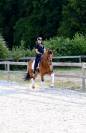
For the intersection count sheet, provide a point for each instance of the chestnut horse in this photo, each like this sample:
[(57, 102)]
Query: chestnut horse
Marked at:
[(45, 67)]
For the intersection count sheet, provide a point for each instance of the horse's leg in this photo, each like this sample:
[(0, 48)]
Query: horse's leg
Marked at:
[(33, 83), (52, 77), (42, 81)]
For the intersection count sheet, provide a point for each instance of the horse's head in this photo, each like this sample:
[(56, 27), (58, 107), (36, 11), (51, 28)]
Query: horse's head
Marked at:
[(49, 55)]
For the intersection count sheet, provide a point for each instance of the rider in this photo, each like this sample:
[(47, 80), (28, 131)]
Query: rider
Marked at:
[(39, 49)]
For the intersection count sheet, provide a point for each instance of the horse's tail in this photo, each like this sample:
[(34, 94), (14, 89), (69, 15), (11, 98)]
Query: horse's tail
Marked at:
[(27, 76)]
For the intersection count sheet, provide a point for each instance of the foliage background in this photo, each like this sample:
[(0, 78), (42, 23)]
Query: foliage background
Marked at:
[(61, 22), (66, 46)]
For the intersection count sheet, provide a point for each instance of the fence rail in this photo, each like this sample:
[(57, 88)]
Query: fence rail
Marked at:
[(54, 64), (80, 58), (66, 64), (81, 65)]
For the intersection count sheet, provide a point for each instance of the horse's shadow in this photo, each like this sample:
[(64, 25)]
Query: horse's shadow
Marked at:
[(12, 88), (6, 92), (26, 90)]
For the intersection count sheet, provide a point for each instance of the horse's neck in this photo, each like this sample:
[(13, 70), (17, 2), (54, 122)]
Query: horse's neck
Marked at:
[(44, 59)]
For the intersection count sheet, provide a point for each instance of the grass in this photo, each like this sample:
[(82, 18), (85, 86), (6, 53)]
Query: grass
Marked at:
[(68, 70), (69, 83)]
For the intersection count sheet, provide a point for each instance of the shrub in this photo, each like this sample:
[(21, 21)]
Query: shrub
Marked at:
[(58, 45), (66, 46), (3, 49), (19, 52), (79, 42), (30, 53)]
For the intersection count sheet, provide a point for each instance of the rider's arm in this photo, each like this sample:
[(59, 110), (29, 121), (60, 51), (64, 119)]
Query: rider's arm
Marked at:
[(37, 52)]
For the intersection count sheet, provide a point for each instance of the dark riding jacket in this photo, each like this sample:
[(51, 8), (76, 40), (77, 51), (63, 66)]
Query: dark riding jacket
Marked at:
[(40, 49)]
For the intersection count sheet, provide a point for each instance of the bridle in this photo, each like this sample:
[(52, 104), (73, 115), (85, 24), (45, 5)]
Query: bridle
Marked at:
[(49, 58)]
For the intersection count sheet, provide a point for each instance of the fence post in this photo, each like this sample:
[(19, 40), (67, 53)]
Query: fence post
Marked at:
[(80, 59), (8, 69), (27, 66), (83, 77), (5, 66)]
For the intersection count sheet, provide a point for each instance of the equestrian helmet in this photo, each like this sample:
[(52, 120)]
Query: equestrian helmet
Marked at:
[(39, 38)]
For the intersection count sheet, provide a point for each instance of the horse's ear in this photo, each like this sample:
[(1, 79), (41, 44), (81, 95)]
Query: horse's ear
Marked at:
[(50, 52), (47, 50)]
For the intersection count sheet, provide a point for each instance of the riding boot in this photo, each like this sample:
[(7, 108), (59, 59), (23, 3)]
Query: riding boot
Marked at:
[(34, 71), (35, 68)]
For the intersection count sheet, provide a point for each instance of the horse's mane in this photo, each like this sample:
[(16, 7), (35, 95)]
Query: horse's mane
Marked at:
[(44, 59)]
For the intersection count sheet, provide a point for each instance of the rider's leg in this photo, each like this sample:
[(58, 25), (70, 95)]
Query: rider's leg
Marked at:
[(35, 65), (37, 60)]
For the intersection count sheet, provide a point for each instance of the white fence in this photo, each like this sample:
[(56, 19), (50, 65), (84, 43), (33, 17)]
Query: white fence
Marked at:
[(7, 65), (78, 58)]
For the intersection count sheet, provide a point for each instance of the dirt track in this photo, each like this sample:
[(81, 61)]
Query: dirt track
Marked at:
[(47, 110)]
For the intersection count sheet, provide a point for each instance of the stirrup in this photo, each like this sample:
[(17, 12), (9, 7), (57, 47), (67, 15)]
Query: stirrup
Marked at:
[(34, 71)]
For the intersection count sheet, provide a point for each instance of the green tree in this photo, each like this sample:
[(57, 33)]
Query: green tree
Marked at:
[(8, 17), (42, 18), (74, 18)]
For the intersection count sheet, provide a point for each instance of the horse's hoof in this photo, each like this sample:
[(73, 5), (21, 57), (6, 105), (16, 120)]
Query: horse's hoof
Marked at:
[(52, 85), (33, 87)]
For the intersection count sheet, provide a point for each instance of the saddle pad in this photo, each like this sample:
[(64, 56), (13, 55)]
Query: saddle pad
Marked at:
[(33, 65)]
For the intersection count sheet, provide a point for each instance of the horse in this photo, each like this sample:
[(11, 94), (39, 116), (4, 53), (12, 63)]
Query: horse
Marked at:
[(45, 67)]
